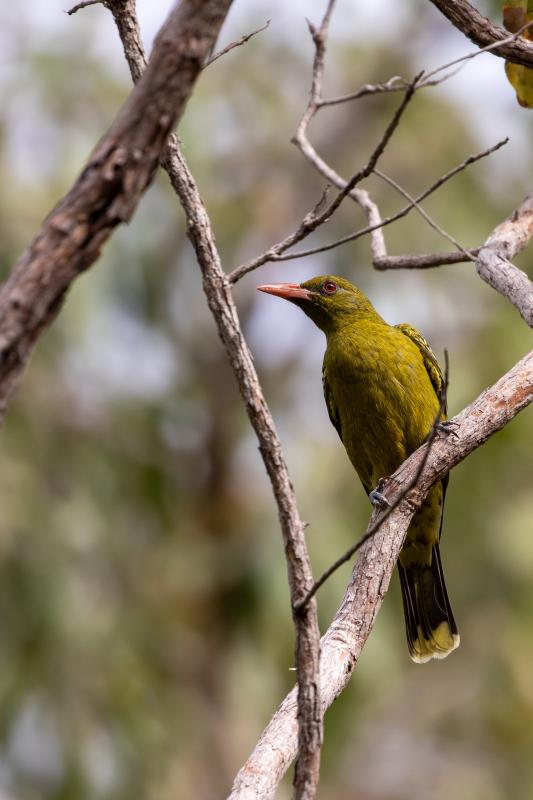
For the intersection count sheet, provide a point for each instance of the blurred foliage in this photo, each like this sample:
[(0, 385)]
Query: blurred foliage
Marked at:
[(146, 634)]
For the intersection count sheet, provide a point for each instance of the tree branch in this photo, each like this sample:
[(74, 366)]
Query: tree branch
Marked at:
[(108, 189), (425, 260), (313, 220), (84, 4), (317, 217), (482, 32), (218, 293), (493, 260), (351, 626), (238, 43), (380, 262)]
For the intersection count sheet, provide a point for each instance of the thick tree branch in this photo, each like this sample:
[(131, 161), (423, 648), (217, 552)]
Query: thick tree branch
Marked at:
[(494, 259), (347, 634), (482, 32), (109, 187), (218, 293)]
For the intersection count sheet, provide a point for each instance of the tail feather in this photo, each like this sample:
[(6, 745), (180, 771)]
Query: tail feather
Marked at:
[(429, 623)]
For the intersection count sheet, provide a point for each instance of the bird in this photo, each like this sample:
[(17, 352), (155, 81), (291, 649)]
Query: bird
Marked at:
[(383, 388)]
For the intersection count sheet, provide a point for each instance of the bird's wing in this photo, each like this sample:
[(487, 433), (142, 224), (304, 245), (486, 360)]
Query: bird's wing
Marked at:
[(330, 403), (335, 416), (430, 362)]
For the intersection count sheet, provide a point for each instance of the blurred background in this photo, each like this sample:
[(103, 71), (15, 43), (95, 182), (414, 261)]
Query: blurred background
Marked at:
[(145, 632)]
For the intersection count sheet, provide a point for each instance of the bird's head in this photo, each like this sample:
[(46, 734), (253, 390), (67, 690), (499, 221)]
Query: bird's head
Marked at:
[(331, 302)]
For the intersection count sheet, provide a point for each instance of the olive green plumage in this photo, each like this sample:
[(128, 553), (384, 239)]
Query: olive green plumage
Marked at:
[(382, 386)]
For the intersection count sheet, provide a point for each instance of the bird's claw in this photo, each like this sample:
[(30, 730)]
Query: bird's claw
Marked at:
[(447, 426), (376, 497)]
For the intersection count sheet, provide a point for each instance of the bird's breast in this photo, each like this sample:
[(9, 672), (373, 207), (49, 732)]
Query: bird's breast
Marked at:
[(384, 399)]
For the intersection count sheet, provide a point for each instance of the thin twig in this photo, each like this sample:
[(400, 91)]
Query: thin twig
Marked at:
[(394, 84), (423, 213), (377, 241), (271, 254), (301, 140), (314, 219), (84, 4), (424, 260), (411, 484), (380, 262), (398, 84), (233, 45)]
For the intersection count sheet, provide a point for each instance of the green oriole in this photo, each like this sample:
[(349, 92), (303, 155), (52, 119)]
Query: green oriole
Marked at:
[(382, 386)]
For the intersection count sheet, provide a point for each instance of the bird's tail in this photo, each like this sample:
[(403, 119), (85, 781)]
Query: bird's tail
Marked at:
[(429, 623)]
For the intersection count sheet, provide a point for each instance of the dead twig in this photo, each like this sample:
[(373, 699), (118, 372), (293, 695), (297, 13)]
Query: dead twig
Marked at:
[(424, 260), (233, 45), (431, 222), (394, 84), (84, 4), (381, 262), (317, 217)]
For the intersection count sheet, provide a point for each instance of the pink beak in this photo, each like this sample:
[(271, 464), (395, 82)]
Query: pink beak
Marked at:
[(289, 291)]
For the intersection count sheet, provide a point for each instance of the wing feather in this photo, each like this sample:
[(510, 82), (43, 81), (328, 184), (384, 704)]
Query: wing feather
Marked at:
[(330, 404), (430, 362)]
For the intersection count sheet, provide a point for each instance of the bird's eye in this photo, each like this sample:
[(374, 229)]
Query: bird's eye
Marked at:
[(329, 287)]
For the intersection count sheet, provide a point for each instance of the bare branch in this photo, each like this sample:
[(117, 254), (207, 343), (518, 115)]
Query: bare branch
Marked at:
[(220, 301), (383, 262), (233, 45), (399, 84), (305, 227), (380, 258), (109, 187), (431, 222), (84, 4), (424, 260), (351, 626), (482, 32), (493, 261), (394, 84), (315, 218)]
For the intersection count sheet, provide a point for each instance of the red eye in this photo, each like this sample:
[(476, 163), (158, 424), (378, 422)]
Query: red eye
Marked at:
[(329, 287)]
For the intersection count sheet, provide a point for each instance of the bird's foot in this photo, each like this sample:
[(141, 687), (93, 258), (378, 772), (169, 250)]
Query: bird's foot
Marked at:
[(447, 427), (376, 497)]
